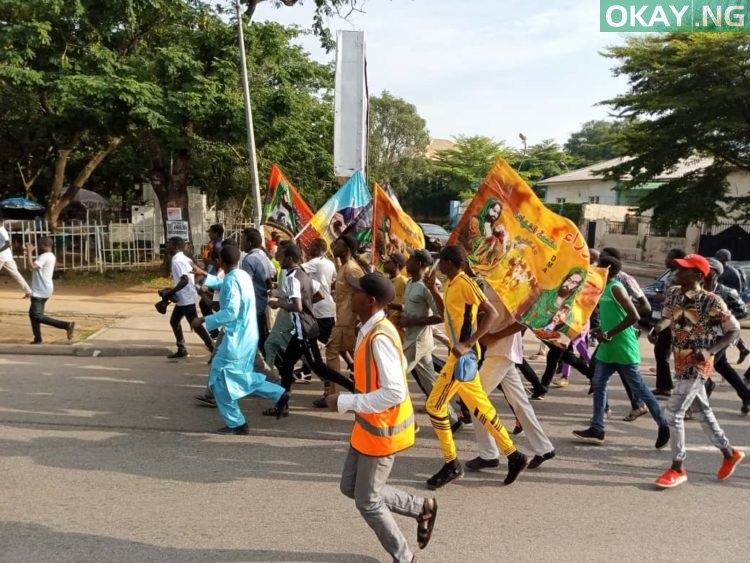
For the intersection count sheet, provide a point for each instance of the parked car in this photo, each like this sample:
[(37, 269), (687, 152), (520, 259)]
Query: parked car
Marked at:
[(435, 236), (653, 288)]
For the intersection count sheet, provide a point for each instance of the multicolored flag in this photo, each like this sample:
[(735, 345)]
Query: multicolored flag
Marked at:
[(341, 210), (284, 210), (394, 230), (536, 260)]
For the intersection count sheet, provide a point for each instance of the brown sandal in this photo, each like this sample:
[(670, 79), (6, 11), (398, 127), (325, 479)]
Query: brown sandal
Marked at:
[(426, 522)]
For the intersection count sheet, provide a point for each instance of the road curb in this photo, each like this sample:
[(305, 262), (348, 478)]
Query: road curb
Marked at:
[(83, 350)]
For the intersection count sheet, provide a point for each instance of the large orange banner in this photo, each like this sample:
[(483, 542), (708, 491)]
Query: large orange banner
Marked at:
[(393, 230), (536, 260)]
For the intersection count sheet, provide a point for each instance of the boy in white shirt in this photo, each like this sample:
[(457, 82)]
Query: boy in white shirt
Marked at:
[(8, 263), (42, 287), (185, 294)]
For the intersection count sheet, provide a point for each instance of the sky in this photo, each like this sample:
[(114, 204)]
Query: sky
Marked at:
[(482, 67)]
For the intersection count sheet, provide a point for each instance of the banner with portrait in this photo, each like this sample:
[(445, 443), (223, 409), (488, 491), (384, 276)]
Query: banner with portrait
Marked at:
[(536, 260), (394, 230), (284, 210)]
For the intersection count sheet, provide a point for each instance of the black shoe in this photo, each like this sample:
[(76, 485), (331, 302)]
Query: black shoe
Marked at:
[(456, 426), (35, 342), (282, 405), (590, 435), (479, 463), (538, 460), (517, 429), (243, 430), (517, 462), (161, 306), (320, 403), (449, 472), (743, 355), (662, 439), (662, 392), (181, 353), (745, 407), (205, 401), (538, 395)]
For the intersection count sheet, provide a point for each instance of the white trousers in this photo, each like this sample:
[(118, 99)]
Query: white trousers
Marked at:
[(10, 266), (499, 370)]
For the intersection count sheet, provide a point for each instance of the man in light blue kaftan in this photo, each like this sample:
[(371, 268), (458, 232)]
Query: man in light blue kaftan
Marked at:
[(232, 376)]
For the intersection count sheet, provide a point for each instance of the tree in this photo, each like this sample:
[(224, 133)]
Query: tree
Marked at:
[(75, 61), (463, 168), (596, 141), (690, 94), (544, 160), (397, 142), (324, 9)]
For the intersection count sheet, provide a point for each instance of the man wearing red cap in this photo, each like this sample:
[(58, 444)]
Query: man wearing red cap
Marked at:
[(701, 327)]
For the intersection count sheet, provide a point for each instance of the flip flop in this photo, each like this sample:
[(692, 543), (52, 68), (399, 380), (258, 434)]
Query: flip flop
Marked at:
[(424, 533)]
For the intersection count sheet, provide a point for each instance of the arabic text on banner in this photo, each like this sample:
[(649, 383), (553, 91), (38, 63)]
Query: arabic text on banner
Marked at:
[(536, 260)]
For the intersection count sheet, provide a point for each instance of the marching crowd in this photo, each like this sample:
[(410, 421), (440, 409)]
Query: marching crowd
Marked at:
[(266, 311)]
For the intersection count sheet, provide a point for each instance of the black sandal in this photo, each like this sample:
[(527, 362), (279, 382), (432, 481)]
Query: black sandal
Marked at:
[(426, 522)]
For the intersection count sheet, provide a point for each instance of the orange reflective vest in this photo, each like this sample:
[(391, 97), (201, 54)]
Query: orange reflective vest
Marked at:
[(388, 432)]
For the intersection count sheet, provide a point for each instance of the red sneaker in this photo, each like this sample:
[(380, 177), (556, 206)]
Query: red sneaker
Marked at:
[(671, 478), (729, 465)]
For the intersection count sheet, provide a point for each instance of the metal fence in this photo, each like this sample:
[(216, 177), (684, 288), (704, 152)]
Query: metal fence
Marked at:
[(93, 246)]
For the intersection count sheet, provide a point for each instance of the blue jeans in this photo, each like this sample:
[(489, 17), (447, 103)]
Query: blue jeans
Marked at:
[(630, 373)]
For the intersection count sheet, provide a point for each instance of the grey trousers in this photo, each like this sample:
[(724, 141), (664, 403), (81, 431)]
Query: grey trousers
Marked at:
[(364, 480), (499, 370), (688, 392), (424, 372)]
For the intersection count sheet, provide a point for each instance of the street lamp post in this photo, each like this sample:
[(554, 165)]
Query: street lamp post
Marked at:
[(249, 120)]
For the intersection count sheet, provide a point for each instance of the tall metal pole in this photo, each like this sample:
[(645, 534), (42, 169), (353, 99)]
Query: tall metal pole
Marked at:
[(249, 120)]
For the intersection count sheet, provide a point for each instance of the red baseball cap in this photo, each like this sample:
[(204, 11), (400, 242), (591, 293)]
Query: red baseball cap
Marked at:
[(694, 261)]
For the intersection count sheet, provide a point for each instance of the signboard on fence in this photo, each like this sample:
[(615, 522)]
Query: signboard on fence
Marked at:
[(174, 214), (178, 229)]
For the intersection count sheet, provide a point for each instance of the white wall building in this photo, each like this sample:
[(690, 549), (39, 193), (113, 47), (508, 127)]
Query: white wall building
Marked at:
[(587, 185)]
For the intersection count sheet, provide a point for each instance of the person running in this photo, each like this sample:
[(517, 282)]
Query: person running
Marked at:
[(323, 272), (701, 327), (459, 305), (232, 376), (184, 293), (7, 262), (662, 346), (383, 423), (504, 351), (262, 271), (737, 308), (42, 287), (619, 352), (393, 266), (417, 316), (344, 333), (733, 279)]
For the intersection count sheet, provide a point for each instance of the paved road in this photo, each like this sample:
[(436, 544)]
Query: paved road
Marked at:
[(106, 459)]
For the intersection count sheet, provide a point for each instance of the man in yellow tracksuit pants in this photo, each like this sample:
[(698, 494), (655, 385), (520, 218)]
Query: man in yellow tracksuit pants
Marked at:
[(459, 304)]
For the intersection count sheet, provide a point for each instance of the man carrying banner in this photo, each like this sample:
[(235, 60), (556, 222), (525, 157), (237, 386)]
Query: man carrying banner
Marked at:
[(416, 317), (504, 351), (344, 334), (461, 302)]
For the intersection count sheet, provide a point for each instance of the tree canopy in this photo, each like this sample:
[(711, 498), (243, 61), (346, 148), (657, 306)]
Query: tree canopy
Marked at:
[(688, 96)]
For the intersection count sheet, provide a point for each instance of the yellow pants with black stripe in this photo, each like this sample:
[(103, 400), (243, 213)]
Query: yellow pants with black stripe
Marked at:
[(475, 398)]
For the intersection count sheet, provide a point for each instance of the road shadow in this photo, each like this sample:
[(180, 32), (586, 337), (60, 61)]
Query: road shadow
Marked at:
[(32, 542)]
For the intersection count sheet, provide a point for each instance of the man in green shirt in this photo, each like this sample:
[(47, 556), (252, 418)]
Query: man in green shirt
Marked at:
[(618, 352)]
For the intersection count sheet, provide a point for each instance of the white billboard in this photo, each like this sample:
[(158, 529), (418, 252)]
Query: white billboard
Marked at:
[(350, 121)]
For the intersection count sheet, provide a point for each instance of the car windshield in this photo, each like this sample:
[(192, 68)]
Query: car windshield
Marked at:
[(433, 229)]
